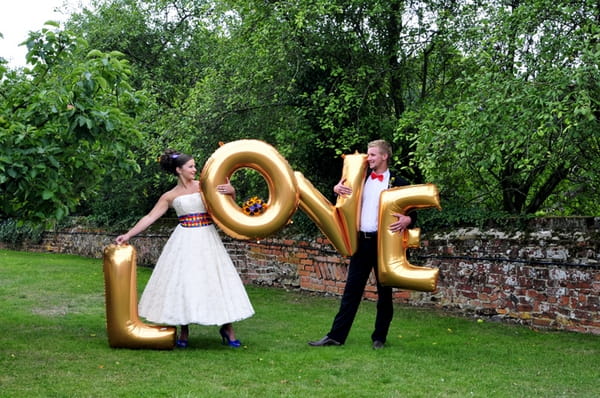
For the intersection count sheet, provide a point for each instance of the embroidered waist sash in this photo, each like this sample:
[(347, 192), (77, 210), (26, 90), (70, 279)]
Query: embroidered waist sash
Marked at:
[(195, 220)]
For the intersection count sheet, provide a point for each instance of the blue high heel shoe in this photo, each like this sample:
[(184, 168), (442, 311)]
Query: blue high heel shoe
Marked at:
[(227, 340), (181, 343)]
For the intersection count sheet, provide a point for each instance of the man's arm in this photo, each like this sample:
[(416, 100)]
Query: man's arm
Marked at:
[(397, 181)]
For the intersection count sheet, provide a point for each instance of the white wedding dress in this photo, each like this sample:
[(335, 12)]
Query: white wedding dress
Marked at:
[(194, 280)]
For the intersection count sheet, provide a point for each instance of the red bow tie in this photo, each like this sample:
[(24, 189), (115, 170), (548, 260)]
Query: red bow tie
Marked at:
[(376, 176)]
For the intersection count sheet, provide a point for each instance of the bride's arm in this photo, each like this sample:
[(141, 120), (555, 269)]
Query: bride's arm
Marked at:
[(160, 208)]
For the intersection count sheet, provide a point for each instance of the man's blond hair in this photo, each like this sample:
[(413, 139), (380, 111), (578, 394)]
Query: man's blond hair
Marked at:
[(384, 147)]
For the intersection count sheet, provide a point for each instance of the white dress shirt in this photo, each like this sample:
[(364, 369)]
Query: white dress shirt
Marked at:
[(369, 213)]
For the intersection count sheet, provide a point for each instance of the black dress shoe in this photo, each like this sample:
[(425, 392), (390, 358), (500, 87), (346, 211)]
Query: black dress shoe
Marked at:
[(323, 342), (377, 345)]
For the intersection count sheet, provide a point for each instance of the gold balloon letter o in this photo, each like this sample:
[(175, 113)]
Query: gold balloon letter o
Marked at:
[(283, 191)]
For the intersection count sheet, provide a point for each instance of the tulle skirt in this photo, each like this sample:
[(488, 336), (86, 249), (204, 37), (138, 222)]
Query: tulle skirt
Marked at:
[(195, 281)]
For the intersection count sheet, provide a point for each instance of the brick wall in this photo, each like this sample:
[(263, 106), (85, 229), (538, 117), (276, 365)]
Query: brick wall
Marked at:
[(546, 274)]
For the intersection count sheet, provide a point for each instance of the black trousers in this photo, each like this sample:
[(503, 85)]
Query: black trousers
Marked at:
[(359, 269)]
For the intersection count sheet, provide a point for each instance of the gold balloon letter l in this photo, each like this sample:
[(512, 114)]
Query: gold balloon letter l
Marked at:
[(125, 330)]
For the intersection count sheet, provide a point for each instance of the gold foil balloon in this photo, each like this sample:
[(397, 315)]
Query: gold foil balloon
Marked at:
[(349, 207), (124, 328), (393, 266), (287, 191), (340, 222), (283, 191)]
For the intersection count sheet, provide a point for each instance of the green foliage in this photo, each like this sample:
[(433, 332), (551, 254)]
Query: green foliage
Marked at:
[(13, 231), (455, 215), (496, 103), (315, 79), (521, 125), (66, 122)]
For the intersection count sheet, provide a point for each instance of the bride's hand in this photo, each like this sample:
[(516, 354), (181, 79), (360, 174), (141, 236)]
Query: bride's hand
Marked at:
[(226, 189)]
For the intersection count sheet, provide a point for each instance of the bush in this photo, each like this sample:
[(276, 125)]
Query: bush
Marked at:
[(13, 231)]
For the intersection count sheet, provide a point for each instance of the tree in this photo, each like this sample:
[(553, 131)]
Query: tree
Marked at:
[(493, 101), (321, 78), (522, 122), (64, 123), (167, 45)]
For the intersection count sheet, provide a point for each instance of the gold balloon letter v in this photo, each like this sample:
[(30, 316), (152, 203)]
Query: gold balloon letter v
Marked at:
[(339, 222)]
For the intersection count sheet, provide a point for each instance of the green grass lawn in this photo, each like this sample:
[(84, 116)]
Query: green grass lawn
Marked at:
[(53, 344)]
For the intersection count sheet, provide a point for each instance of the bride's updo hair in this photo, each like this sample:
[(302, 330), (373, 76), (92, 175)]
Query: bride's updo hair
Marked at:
[(170, 160)]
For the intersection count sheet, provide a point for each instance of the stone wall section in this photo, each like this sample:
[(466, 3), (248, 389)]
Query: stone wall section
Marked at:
[(544, 275)]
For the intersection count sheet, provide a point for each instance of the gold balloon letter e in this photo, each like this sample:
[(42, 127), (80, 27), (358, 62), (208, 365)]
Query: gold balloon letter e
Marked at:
[(393, 266)]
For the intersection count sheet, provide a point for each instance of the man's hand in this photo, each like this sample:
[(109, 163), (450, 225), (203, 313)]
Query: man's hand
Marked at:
[(341, 189), (402, 223)]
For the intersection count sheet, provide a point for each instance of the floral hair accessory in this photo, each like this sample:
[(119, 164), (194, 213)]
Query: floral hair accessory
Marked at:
[(254, 206)]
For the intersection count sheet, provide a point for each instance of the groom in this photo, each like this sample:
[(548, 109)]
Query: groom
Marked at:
[(378, 155)]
